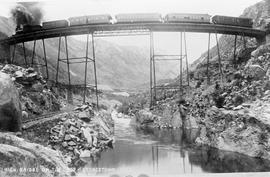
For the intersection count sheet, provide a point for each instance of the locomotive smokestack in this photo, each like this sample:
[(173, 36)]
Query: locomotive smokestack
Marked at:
[(27, 13)]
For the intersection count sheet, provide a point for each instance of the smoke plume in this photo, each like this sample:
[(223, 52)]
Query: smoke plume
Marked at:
[(27, 13)]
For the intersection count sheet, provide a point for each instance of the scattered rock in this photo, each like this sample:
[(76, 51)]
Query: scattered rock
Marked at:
[(75, 136), (87, 135), (145, 118), (84, 116), (255, 71), (35, 96), (238, 108), (71, 143), (18, 153), (177, 120), (190, 123)]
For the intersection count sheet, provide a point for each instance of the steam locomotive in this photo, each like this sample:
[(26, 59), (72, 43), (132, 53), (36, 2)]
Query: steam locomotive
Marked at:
[(139, 18)]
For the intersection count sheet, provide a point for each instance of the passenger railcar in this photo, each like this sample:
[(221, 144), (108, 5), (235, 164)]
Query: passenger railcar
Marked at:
[(234, 21), (74, 21), (55, 24), (189, 18), (138, 18), (98, 19)]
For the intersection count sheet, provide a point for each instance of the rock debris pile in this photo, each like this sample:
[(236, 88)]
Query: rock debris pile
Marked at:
[(83, 133), (35, 96)]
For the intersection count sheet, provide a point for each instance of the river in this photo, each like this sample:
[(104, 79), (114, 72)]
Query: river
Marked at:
[(165, 152)]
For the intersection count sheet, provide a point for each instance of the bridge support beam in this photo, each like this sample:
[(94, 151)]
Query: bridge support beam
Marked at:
[(187, 67), (153, 85), (181, 66), (95, 70), (234, 51), (13, 53), (181, 57), (85, 69), (45, 59), (219, 60), (5, 53), (34, 53), (78, 60), (24, 55), (208, 59), (244, 41), (151, 72), (69, 95), (58, 60)]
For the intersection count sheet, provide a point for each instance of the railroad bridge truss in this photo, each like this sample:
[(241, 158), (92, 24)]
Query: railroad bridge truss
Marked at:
[(95, 31)]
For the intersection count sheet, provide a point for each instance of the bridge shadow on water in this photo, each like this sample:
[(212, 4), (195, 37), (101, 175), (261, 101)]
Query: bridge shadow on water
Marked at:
[(161, 152)]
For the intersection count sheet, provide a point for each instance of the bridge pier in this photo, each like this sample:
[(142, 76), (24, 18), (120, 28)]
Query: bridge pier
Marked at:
[(34, 53), (158, 57), (5, 53), (219, 60), (78, 60), (58, 60), (95, 69), (70, 96), (45, 59), (13, 53), (266, 40), (234, 51), (24, 55), (208, 59)]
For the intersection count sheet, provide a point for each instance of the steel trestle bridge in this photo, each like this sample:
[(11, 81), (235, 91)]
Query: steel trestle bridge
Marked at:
[(128, 29)]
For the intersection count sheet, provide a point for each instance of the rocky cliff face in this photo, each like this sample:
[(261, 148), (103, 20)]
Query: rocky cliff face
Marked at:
[(35, 96), (258, 13), (232, 115), (22, 158)]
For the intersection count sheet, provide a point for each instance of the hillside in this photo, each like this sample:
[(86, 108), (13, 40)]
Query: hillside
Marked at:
[(118, 66), (258, 13), (232, 114)]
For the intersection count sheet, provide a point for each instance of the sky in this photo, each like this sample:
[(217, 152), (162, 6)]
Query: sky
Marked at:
[(170, 42)]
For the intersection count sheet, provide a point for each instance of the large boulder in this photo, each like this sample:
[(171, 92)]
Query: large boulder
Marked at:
[(260, 50), (144, 116), (35, 96), (10, 108), (236, 131), (22, 156), (256, 72), (177, 120), (190, 122)]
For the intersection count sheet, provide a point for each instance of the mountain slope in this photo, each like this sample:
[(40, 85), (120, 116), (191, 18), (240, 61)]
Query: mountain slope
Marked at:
[(258, 13), (117, 66)]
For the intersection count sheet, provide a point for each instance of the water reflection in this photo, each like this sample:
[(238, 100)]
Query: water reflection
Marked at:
[(164, 152)]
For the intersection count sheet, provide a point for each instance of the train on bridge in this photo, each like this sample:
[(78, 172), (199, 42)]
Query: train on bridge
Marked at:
[(138, 18)]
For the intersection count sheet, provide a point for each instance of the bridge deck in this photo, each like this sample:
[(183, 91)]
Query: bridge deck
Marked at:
[(135, 28)]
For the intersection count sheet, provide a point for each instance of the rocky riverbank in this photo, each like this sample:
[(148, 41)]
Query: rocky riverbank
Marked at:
[(22, 158), (52, 146), (35, 96), (82, 133), (237, 116), (232, 115)]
